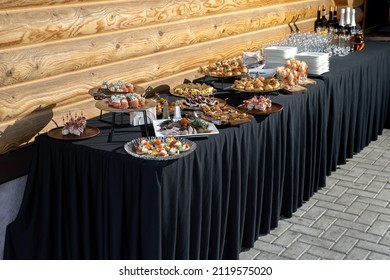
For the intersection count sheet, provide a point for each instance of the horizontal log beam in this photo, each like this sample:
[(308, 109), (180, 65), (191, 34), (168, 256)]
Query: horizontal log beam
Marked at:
[(45, 60)]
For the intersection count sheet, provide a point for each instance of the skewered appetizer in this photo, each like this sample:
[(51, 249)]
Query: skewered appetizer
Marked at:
[(74, 125), (225, 68), (161, 147), (193, 89), (257, 84), (117, 87), (130, 100), (260, 103)]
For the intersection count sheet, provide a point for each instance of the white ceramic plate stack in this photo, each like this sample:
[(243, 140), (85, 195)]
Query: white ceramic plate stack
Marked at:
[(318, 62), (277, 55)]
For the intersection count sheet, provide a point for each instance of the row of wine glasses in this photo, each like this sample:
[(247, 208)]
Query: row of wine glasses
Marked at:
[(332, 43)]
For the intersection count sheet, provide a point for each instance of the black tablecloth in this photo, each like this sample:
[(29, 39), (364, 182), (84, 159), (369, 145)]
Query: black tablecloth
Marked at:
[(91, 200)]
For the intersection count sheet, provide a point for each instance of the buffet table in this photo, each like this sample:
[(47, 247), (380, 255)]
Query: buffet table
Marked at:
[(92, 200)]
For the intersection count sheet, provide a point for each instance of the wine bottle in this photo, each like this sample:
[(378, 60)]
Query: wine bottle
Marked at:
[(341, 28), (353, 27), (318, 22), (330, 20), (335, 19), (348, 20), (330, 17), (352, 31), (324, 20)]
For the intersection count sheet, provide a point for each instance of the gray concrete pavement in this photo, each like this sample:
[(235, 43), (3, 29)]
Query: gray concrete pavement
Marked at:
[(348, 219)]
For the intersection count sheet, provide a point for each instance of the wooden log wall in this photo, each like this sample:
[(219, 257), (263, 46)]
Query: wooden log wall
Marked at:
[(52, 52)]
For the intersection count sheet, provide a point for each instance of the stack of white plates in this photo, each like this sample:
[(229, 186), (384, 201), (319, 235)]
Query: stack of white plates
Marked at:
[(318, 62), (277, 55)]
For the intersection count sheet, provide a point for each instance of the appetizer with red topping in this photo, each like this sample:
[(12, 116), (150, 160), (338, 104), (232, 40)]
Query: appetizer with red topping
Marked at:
[(161, 147)]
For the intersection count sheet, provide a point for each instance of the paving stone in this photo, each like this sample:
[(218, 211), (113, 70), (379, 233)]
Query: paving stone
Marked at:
[(385, 239), (376, 172), (346, 199), (334, 232), (357, 254), (357, 207), (306, 230), (324, 222), (375, 186), (299, 213), (387, 169), (267, 247), (287, 238), (372, 201), (268, 237), (314, 213), (330, 181), (345, 244), (356, 171), (308, 204), (312, 240), (371, 237), (382, 161), (373, 247), (382, 179), (374, 154), (249, 254), (269, 256), (295, 250), (360, 160), (379, 209), (384, 217), (378, 256), (351, 225), (324, 198), (352, 185), (341, 215), (307, 256), (369, 166), (379, 227), (384, 145), (283, 225), (331, 206), (301, 221), (343, 177), (348, 166), (384, 195), (367, 217), (339, 170), (325, 253), (361, 193)]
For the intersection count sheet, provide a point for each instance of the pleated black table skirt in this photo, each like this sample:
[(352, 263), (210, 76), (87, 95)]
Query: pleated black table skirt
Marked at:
[(91, 200)]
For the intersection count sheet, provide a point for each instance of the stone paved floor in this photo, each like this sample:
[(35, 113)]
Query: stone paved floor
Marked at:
[(348, 219)]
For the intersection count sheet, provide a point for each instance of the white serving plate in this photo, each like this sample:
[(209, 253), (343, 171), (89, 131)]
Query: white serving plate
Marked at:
[(156, 126), (266, 73)]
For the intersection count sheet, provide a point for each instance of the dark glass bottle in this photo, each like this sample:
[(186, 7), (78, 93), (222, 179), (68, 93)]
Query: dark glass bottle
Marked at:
[(324, 21), (330, 19), (335, 21), (347, 21), (318, 21)]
